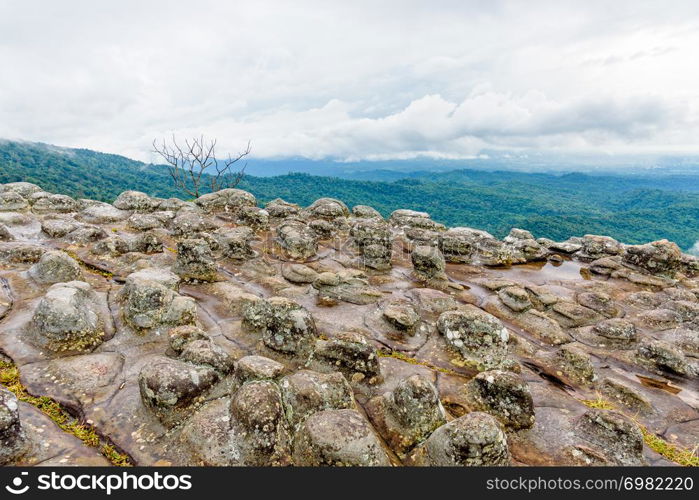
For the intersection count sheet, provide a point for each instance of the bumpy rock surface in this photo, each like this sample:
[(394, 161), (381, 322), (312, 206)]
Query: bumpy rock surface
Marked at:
[(217, 332)]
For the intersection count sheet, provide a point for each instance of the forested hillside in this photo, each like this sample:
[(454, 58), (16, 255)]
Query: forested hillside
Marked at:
[(631, 209)]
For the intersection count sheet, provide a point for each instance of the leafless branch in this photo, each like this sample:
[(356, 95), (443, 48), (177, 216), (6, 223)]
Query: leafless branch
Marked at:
[(189, 163)]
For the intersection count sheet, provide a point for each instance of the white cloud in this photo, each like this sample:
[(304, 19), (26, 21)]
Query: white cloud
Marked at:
[(353, 80)]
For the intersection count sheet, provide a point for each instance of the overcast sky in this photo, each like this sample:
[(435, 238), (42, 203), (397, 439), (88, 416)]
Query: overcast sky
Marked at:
[(353, 80)]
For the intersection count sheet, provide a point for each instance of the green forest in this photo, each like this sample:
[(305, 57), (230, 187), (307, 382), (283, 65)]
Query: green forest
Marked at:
[(631, 209)]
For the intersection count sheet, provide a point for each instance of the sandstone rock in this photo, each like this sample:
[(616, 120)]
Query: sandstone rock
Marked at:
[(145, 221), (337, 438), (205, 352), (505, 396), (407, 415), (575, 363), (181, 336), (663, 357), (571, 315), (226, 200), (136, 201), (13, 440), (623, 393), (373, 238), (428, 263), (279, 208), (348, 352), (11, 201), (24, 189), (475, 439), (478, 336), (68, 319), (103, 213), (59, 227), (605, 266), (659, 319), (235, 243), (250, 368), (195, 261), (169, 387), (299, 274), (286, 326), (111, 245), (596, 247), (619, 439), (658, 257), (410, 218), (190, 224), (255, 217), (5, 234), (150, 300), (328, 208), (466, 245), (616, 330), (85, 234), (55, 203), (599, 302), (19, 252), (348, 286), (516, 298), (297, 240), (366, 212), (687, 309), (307, 392), (401, 315), (55, 267), (259, 425)]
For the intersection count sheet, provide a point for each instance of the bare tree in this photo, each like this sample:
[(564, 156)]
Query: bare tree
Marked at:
[(194, 166)]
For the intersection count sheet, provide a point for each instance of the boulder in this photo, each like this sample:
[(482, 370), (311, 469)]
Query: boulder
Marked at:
[(466, 245), (659, 257), (258, 425), (299, 274), (5, 234), (250, 368), (235, 243), (428, 263), (13, 440), (190, 224), (307, 392), (595, 247), (286, 326), (337, 438), (195, 261), (401, 314), (408, 414), (328, 208), (150, 300), (255, 217), (410, 218), (366, 212), (297, 240), (281, 209), (479, 337), (618, 438), (226, 200), (103, 213), (170, 387), (55, 203), (350, 353), (505, 396), (68, 318), (347, 286), (475, 439), (55, 267), (11, 202), (136, 201)]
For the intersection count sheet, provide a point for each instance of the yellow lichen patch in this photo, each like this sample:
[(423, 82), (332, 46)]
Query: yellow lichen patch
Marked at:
[(599, 403), (89, 267), (674, 453), (9, 377), (407, 359)]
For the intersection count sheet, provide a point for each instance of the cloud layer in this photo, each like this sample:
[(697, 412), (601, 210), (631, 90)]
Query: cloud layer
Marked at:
[(353, 80)]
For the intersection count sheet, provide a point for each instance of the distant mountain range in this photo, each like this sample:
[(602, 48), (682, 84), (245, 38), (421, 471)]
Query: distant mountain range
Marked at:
[(649, 204)]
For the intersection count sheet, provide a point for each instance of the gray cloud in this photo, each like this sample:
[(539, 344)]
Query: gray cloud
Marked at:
[(352, 80)]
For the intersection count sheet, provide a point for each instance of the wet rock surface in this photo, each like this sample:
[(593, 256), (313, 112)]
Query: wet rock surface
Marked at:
[(216, 332)]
